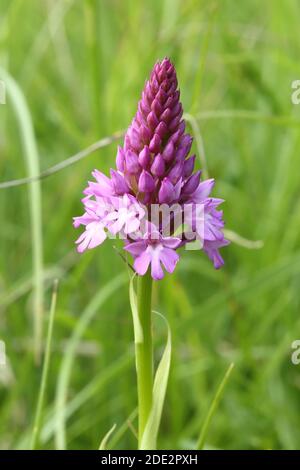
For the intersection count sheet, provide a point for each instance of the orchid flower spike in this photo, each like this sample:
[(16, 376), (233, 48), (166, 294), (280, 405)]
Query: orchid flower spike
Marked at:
[(154, 175)]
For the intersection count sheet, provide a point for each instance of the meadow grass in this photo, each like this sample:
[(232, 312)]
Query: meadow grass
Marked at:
[(80, 67)]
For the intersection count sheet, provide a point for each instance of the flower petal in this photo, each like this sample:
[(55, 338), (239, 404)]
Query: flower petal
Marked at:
[(169, 258), (156, 269), (142, 262)]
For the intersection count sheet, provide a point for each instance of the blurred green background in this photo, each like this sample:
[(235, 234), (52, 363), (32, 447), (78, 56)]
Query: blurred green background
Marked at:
[(81, 66)]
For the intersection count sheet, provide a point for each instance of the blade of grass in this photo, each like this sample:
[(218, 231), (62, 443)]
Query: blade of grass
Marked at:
[(199, 142), (106, 438), (69, 356), (123, 428), (35, 200), (95, 386), (249, 114), (242, 241), (41, 397), (65, 163), (213, 407)]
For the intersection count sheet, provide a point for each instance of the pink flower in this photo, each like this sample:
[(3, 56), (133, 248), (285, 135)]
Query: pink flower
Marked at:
[(156, 250), (126, 215), (93, 235), (153, 167)]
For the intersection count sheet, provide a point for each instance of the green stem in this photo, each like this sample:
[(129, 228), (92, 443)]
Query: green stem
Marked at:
[(144, 351)]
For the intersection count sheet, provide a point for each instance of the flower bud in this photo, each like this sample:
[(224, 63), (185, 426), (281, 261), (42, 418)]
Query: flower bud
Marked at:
[(132, 162), (168, 152), (188, 166), (155, 143), (158, 166), (145, 157), (146, 182), (166, 192), (192, 183), (120, 159), (119, 183)]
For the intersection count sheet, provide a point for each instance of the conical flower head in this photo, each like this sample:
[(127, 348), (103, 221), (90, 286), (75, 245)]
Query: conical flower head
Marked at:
[(154, 170), (155, 141)]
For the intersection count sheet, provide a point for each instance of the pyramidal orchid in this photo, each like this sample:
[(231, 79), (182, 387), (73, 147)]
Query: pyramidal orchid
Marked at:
[(156, 202)]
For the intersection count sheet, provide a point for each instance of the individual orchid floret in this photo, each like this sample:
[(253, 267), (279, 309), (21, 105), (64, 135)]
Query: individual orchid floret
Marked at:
[(155, 250), (125, 215), (94, 233)]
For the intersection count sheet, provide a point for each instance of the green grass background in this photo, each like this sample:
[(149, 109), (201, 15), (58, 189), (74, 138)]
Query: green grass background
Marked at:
[(81, 66)]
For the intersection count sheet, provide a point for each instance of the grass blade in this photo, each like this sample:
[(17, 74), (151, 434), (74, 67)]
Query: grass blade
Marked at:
[(35, 200), (213, 407), (138, 331), (106, 438), (38, 416), (67, 362)]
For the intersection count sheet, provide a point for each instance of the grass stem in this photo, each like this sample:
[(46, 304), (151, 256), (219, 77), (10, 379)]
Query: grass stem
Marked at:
[(38, 415)]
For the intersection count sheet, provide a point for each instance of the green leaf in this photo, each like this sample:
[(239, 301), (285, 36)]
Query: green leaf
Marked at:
[(106, 438), (159, 392), (138, 331)]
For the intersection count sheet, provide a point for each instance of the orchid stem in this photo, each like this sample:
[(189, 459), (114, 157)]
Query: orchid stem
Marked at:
[(144, 352)]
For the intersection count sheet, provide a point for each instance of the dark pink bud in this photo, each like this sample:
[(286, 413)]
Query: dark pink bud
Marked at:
[(192, 183), (169, 103), (176, 95), (145, 157), (155, 143), (156, 107), (174, 123), (175, 137), (154, 85), (149, 94), (161, 130), (132, 162), (165, 85), (177, 110), (146, 182), (168, 152), (144, 108), (152, 120), (134, 138), (120, 159), (166, 115), (185, 141), (161, 74), (166, 192), (140, 119), (188, 166), (173, 87), (176, 172), (161, 96), (145, 133), (184, 147), (181, 128), (119, 183), (158, 166)]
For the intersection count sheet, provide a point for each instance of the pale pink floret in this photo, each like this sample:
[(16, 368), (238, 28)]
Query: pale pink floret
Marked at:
[(93, 236), (113, 213), (156, 250), (125, 216)]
